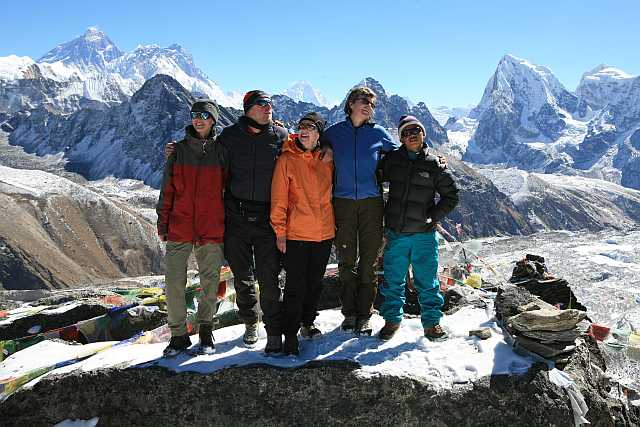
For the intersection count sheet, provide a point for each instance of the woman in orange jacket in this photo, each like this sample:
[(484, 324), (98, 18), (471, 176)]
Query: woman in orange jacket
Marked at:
[(302, 218)]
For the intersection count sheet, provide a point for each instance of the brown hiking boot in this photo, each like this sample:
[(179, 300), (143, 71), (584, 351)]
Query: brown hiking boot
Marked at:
[(435, 333), (388, 331)]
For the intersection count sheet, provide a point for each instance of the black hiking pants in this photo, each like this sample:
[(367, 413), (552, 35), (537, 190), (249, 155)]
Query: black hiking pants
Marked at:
[(305, 263), (249, 237)]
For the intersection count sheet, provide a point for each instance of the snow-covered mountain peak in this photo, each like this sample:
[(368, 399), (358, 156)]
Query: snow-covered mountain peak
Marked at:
[(12, 66), (92, 50), (524, 88), (303, 91), (606, 72), (93, 35), (601, 86)]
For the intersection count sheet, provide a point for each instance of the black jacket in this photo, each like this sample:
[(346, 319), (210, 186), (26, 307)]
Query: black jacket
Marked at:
[(413, 185), (252, 158)]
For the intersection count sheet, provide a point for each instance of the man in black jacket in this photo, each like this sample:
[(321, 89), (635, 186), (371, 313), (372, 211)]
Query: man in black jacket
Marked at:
[(253, 144), (411, 215)]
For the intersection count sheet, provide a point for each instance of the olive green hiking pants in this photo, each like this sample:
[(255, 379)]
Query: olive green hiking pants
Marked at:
[(358, 239), (210, 258)]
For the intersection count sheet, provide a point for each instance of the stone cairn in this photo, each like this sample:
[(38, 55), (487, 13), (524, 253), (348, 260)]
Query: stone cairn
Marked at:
[(540, 312)]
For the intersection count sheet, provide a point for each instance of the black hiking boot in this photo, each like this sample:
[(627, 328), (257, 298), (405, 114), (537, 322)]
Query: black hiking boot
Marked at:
[(309, 331), (206, 345), (363, 327), (274, 344), (349, 323), (291, 346), (177, 345)]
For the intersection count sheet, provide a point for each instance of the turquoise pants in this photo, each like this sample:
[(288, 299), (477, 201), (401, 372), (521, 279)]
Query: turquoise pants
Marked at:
[(420, 250)]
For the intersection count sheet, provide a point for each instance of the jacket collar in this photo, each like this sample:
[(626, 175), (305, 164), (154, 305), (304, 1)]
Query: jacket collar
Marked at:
[(422, 154), (368, 123), (192, 136)]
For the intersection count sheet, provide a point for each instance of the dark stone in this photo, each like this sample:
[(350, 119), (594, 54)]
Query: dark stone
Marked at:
[(457, 297), (19, 327)]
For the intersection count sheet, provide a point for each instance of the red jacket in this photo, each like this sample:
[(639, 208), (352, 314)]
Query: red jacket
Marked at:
[(190, 207)]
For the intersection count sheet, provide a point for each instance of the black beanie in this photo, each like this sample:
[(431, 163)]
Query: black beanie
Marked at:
[(206, 105), (316, 119), (251, 97)]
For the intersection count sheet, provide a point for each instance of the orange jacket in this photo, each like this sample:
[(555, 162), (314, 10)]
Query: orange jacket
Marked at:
[(301, 193)]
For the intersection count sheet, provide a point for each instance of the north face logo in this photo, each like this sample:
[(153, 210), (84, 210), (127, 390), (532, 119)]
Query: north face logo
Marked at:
[(424, 174)]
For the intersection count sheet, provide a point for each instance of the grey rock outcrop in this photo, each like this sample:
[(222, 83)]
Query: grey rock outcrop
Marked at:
[(264, 395)]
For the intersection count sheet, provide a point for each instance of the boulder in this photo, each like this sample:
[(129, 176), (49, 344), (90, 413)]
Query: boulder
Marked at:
[(546, 320)]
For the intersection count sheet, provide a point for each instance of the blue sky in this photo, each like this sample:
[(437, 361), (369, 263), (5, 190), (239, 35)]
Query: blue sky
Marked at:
[(440, 52)]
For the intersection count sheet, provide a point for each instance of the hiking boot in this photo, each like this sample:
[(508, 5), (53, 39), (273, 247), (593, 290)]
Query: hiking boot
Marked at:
[(349, 323), (309, 331), (435, 333), (274, 344), (250, 337), (388, 331), (177, 345), (363, 327), (291, 346), (206, 345)]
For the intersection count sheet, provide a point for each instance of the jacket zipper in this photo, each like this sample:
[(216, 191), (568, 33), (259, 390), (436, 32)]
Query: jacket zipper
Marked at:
[(253, 171), (355, 160), (196, 238), (405, 196)]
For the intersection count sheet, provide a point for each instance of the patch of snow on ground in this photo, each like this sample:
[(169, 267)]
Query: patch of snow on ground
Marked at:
[(407, 354)]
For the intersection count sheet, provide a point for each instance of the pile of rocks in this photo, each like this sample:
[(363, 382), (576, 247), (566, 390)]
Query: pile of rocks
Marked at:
[(536, 326), (531, 273)]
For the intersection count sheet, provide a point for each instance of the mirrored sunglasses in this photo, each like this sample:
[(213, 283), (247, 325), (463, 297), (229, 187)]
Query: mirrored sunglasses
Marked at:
[(411, 131), (263, 102), (202, 115)]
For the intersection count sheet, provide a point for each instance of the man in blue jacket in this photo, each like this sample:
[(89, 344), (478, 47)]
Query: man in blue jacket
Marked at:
[(357, 145)]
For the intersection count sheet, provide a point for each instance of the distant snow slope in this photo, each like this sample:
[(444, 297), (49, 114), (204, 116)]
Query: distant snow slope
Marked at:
[(303, 91)]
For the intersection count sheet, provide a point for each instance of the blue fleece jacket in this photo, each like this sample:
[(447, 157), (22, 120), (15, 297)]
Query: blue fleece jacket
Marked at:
[(356, 152)]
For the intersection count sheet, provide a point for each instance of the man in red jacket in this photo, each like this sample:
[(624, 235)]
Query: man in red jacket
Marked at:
[(191, 219)]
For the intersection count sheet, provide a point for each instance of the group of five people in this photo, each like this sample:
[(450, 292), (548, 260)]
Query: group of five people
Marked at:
[(254, 194)]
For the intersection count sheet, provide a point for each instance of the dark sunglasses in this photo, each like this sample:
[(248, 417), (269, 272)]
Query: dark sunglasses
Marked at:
[(411, 132), (263, 102), (367, 101), (202, 115), (307, 126)]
